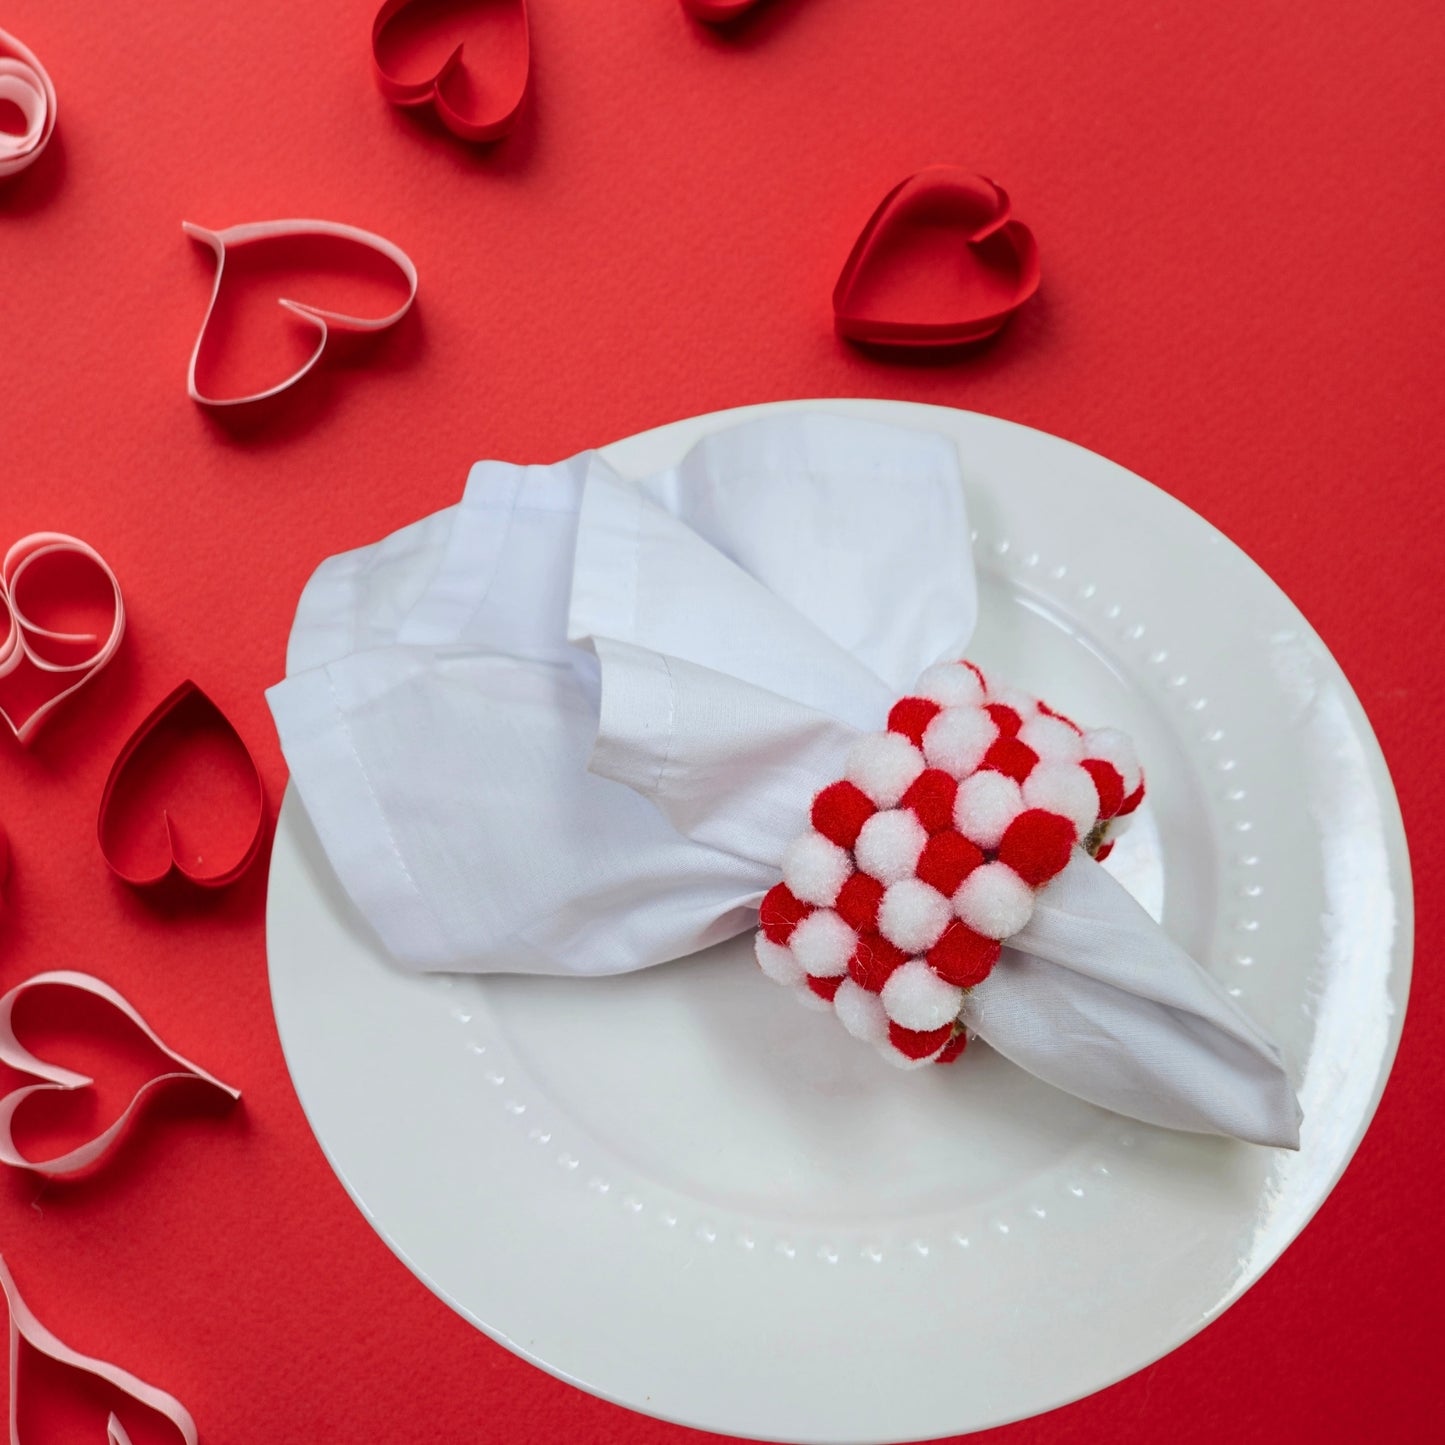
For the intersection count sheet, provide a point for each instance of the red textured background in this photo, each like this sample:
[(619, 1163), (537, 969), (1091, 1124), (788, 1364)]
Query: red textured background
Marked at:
[(1239, 209)]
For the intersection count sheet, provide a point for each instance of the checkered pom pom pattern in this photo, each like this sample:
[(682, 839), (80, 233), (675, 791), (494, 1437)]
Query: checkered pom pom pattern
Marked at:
[(926, 855)]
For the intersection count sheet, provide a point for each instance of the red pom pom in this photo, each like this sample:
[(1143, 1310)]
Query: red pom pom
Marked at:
[(825, 987), (1068, 721), (915, 1044), (1005, 719), (1037, 845), (1010, 757), (780, 913), (1108, 783), (953, 1048), (857, 902), (910, 716), (1132, 801), (962, 957), (931, 798), (1103, 852), (840, 811), (947, 859), (873, 962)]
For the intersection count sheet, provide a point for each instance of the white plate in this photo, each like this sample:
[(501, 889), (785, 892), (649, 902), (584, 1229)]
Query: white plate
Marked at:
[(682, 1192)]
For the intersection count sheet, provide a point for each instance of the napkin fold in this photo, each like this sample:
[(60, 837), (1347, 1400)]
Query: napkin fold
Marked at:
[(571, 724)]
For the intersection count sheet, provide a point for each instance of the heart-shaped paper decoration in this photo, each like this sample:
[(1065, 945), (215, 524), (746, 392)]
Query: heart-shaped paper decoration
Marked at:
[(477, 106), (184, 798), (24, 1326), (940, 263), (325, 321), (91, 1154), (40, 667), (717, 12), (24, 83)]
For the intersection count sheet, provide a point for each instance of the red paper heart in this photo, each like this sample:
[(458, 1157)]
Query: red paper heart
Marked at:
[(347, 274), (717, 12), (940, 263), (61, 620), (419, 53), (184, 798), (85, 1157)]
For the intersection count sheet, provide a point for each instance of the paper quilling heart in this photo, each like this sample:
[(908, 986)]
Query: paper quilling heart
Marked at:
[(31, 654), (475, 105), (24, 83), (95, 1151), (184, 798), (717, 12), (940, 263), (325, 321), (24, 1326)]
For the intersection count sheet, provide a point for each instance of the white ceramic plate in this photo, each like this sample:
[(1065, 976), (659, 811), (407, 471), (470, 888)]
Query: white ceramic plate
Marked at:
[(682, 1192)]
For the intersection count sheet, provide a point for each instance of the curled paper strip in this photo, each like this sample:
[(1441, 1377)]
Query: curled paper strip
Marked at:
[(182, 774), (940, 263), (325, 321), (25, 645), (24, 1326), (469, 107), (924, 857), (12, 1052), (716, 12), (24, 83)]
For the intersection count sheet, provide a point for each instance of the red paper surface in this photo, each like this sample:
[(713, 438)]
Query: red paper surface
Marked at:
[(1239, 207)]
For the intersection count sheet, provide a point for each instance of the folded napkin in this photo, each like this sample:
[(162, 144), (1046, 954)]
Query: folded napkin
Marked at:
[(571, 725)]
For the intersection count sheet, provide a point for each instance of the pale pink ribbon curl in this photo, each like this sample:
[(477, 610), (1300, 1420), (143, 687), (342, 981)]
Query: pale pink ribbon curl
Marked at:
[(24, 83)]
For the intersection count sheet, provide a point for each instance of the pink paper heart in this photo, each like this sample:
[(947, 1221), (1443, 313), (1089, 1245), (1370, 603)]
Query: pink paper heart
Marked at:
[(93, 1152), (29, 652), (24, 1326), (24, 83), (322, 319)]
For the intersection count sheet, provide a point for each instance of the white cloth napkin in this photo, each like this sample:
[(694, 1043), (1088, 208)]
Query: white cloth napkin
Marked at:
[(570, 725)]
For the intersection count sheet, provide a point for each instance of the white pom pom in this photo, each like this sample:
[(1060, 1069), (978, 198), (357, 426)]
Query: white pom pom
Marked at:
[(823, 944), (1024, 704), (814, 868), (912, 915), (1064, 788), (916, 998), (1052, 740), (957, 739), (994, 901), (884, 765), (889, 845), (777, 961), (985, 805), (900, 1060), (950, 684), (809, 999), (861, 1013), (1109, 745)]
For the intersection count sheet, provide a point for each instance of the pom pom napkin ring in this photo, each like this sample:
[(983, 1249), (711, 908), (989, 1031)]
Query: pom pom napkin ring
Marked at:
[(924, 858)]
